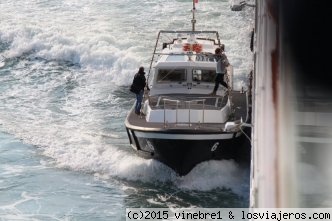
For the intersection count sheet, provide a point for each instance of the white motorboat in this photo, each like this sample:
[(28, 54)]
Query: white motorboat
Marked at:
[(182, 125)]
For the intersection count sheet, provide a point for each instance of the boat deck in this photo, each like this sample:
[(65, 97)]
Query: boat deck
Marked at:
[(240, 108)]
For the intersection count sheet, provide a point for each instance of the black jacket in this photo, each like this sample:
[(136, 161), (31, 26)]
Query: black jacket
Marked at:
[(139, 83)]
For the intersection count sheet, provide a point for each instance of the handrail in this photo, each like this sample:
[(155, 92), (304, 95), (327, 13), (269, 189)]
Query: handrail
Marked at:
[(176, 116), (202, 98), (189, 109)]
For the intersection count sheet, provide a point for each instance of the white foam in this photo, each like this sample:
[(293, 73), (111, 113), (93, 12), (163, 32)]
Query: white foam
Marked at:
[(216, 174), (98, 45)]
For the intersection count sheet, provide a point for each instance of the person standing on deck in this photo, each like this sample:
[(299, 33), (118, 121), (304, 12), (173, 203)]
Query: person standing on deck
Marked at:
[(137, 87), (221, 68)]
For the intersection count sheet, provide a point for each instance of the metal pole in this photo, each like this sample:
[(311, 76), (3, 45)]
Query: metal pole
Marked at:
[(203, 110), (177, 106), (193, 21), (152, 59), (164, 113), (189, 112)]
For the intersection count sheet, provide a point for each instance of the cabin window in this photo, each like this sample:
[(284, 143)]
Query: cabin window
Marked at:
[(201, 75), (171, 75)]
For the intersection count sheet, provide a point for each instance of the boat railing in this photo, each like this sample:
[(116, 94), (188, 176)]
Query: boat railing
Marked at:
[(210, 102), (188, 104), (176, 109)]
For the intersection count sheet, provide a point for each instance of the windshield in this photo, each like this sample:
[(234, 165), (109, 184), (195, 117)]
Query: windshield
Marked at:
[(201, 75), (171, 75)]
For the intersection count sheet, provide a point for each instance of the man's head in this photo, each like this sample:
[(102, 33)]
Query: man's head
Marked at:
[(222, 47)]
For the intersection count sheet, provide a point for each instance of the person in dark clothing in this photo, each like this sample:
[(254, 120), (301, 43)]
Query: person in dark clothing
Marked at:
[(222, 63), (138, 86)]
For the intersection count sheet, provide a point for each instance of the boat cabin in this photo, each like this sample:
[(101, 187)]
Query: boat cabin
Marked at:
[(180, 90), (183, 77)]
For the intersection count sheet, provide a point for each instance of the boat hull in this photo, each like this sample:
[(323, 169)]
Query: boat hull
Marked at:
[(183, 151)]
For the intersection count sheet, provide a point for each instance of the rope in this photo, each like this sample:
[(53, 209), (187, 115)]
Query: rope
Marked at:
[(245, 125)]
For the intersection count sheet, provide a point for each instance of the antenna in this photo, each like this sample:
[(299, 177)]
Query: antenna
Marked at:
[(193, 21)]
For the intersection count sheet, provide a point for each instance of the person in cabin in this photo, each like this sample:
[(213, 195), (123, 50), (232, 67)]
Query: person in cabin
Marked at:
[(137, 87), (221, 68)]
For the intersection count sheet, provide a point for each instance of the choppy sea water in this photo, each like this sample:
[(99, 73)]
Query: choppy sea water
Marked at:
[(65, 67)]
